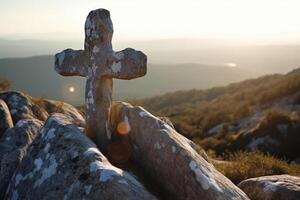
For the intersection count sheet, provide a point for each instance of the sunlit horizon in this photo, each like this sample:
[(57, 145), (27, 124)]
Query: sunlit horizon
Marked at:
[(248, 21)]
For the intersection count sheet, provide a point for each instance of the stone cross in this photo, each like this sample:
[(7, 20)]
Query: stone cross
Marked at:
[(100, 64)]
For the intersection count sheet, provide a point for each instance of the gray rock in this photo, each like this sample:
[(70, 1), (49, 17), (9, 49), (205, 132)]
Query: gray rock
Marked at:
[(5, 118), (23, 106), (277, 134), (169, 158), (52, 106), (13, 147), (100, 64), (277, 187), (167, 121), (62, 163)]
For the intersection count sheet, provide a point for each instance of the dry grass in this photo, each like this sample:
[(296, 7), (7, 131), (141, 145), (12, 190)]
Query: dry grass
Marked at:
[(244, 165), (4, 85), (81, 109), (40, 103)]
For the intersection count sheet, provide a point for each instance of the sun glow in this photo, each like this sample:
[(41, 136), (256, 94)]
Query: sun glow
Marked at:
[(232, 65), (135, 19), (71, 89)]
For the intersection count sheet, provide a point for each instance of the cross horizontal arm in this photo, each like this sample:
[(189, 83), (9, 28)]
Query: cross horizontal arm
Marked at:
[(71, 63), (128, 64)]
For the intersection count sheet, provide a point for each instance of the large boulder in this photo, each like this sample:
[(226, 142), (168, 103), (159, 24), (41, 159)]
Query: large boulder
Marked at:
[(52, 106), (5, 118), (276, 187), (62, 163), (13, 147), (168, 157), (23, 106)]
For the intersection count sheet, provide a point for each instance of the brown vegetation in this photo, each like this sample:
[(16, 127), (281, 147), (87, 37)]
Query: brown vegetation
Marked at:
[(243, 165), (4, 85), (196, 111), (42, 103)]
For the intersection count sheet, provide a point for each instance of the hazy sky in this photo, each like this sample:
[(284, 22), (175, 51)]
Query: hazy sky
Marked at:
[(154, 19)]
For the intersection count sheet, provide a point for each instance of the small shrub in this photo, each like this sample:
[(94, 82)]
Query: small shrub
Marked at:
[(59, 107), (40, 103), (4, 85), (274, 117), (208, 143)]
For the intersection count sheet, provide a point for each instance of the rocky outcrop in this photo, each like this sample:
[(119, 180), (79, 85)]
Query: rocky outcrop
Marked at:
[(170, 158), (5, 118), (52, 106), (62, 163), (276, 133), (23, 106), (13, 147), (277, 187), (272, 128)]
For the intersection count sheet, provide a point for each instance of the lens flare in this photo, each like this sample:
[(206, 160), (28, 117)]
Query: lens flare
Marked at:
[(123, 128), (71, 89)]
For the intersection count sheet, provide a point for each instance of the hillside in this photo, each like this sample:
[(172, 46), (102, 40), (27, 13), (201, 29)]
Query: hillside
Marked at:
[(240, 116), (36, 76), (24, 114), (258, 59)]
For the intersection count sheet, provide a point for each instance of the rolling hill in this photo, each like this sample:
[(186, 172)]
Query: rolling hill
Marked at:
[(36, 76), (255, 114)]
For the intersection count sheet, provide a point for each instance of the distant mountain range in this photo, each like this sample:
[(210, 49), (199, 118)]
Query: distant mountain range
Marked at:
[(174, 64), (261, 59), (36, 76)]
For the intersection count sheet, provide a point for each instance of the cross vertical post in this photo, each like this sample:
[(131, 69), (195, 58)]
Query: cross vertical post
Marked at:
[(100, 64)]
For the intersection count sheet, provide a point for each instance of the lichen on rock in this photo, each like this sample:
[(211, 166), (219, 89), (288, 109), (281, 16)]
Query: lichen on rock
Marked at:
[(62, 163)]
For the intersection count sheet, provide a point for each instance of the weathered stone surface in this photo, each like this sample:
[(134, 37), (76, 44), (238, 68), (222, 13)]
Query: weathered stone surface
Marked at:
[(167, 121), (5, 118), (13, 147), (52, 106), (23, 106), (100, 64), (277, 187), (62, 163), (169, 157)]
